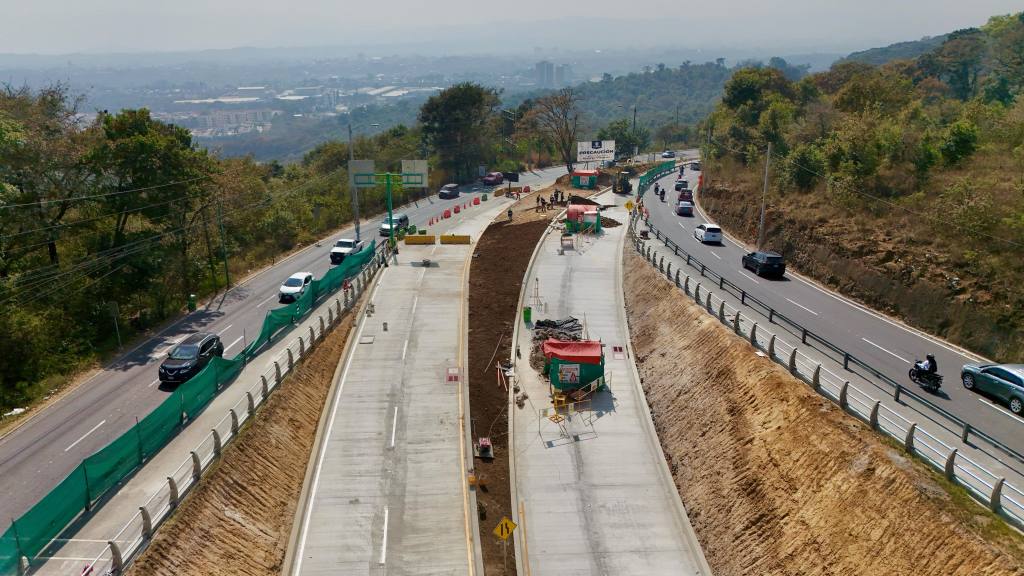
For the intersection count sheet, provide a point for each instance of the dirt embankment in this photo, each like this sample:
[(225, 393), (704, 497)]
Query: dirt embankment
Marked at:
[(889, 260), (239, 519), (776, 479), (499, 263)]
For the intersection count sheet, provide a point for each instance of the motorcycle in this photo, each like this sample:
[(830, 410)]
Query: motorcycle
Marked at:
[(662, 194), (920, 376)]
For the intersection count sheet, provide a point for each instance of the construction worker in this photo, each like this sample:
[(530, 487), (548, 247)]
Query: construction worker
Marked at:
[(509, 214)]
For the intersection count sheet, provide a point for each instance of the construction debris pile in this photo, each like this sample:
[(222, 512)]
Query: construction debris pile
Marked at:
[(567, 329)]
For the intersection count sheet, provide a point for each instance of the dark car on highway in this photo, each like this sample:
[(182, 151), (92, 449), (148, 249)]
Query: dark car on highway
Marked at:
[(189, 357), (765, 263), (448, 191), (493, 178)]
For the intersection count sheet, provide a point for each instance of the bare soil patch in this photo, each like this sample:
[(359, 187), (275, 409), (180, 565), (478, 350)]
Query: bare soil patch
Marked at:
[(239, 519), (778, 480)]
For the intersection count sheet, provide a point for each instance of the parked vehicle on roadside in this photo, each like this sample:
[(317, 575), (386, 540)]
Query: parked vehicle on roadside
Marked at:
[(401, 223), (764, 263), (684, 208), (344, 247), (294, 287), (493, 178), (1005, 382), (448, 191), (189, 357), (708, 234)]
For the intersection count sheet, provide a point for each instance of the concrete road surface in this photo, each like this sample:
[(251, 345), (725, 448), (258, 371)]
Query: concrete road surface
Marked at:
[(40, 452)]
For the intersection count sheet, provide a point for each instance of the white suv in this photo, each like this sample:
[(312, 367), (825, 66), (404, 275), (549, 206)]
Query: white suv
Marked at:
[(295, 286), (708, 234)]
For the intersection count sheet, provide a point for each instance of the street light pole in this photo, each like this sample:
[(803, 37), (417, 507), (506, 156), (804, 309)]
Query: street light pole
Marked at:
[(352, 180)]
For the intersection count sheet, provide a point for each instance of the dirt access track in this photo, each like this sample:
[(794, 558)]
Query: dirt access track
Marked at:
[(239, 519), (778, 480)]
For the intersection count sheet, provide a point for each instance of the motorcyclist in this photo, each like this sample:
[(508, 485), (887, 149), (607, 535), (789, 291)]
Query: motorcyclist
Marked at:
[(928, 367)]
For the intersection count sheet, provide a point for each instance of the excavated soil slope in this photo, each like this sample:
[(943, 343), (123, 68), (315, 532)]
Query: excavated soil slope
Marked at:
[(238, 520), (776, 479)]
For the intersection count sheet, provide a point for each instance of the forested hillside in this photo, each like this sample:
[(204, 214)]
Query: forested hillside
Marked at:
[(897, 51), (902, 185)]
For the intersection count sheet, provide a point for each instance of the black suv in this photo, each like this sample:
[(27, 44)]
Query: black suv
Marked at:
[(189, 357), (765, 263), (448, 191)]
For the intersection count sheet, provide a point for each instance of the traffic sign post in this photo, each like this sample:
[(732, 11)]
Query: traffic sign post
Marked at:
[(415, 178), (503, 530)]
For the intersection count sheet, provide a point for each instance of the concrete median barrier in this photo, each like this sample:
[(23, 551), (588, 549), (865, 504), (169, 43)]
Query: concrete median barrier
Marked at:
[(456, 239), (427, 239)]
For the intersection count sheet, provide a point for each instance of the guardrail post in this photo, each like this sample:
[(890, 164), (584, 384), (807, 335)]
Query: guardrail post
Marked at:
[(116, 561), (736, 322), (743, 297), (803, 336), (707, 304), (896, 394), (816, 379), (950, 468), (843, 401), (197, 467), (330, 316), (792, 361), (217, 444), (874, 415), (686, 285), (846, 360), (721, 282), (676, 250), (172, 490), (771, 315), (323, 327), (908, 441), (771, 347), (995, 501), (147, 523), (291, 359), (277, 375), (721, 312), (338, 305), (702, 269), (234, 421), (687, 259), (677, 278), (668, 270), (302, 348), (753, 335), (661, 264), (250, 404)]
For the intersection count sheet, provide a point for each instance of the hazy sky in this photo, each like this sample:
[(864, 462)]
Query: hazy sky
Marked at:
[(54, 27)]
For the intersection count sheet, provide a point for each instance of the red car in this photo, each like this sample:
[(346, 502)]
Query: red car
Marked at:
[(494, 178)]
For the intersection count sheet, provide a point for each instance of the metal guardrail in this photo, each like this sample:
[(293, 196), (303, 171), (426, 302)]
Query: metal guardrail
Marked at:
[(807, 337), (139, 530), (994, 491)]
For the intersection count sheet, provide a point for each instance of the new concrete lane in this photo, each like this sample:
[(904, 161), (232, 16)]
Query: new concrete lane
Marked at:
[(594, 494), (44, 449), (886, 344), (387, 492)]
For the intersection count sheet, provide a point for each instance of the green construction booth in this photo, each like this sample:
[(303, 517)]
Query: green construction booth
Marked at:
[(573, 365), (586, 179)]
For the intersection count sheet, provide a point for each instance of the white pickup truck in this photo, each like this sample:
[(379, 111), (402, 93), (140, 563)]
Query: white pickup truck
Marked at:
[(343, 248)]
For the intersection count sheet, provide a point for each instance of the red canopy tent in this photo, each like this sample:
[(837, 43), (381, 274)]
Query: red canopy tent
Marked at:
[(584, 352)]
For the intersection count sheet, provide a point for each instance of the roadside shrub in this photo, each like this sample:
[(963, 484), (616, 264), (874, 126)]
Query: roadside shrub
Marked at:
[(961, 141)]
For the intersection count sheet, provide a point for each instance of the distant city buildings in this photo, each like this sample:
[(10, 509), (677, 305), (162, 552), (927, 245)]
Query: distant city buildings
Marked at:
[(549, 75)]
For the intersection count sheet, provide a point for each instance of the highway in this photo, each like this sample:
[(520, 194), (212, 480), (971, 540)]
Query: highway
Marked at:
[(886, 344), (43, 449)]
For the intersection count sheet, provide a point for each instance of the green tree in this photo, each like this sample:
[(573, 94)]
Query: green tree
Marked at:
[(557, 119), (626, 139), (459, 124), (961, 141)]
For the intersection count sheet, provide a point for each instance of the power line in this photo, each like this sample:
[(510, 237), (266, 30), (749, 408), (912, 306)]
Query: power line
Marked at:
[(90, 219), (77, 198)]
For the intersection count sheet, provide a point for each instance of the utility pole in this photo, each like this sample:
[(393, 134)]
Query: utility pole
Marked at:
[(764, 197), (636, 147), (223, 244), (351, 180)]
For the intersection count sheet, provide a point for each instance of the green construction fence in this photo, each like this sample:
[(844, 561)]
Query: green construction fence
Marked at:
[(96, 475), (587, 373), (648, 178)]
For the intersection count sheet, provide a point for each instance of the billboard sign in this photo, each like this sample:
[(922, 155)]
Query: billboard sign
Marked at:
[(414, 173), (511, 176), (363, 175), (595, 151)]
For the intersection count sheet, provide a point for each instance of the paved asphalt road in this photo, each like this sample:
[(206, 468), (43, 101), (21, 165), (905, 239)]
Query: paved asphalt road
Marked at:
[(887, 345), (43, 450)]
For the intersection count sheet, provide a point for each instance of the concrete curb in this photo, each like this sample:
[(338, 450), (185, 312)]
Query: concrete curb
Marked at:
[(304, 494), (652, 434)]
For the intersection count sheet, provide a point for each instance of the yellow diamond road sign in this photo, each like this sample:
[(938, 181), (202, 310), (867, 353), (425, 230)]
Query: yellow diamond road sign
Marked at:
[(504, 528), (629, 205)]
